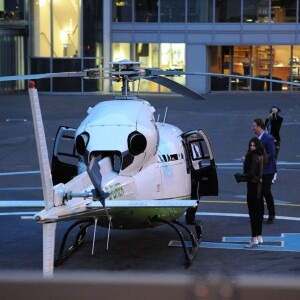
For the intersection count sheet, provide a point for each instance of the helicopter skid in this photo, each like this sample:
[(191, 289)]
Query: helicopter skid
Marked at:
[(189, 252), (193, 244)]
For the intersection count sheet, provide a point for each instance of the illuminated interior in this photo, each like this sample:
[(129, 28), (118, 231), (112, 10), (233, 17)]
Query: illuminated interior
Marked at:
[(65, 28), (167, 56)]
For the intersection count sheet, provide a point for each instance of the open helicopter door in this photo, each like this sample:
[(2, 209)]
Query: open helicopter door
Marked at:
[(65, 157), (201, 164)]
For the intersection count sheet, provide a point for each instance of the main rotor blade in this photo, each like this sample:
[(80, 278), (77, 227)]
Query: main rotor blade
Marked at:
[(48, 248), (176, 87), (89, 73), (159, 72), (42, 150)]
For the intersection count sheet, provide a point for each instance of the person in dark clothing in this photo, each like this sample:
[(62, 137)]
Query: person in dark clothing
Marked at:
[(269, 170), (273, 125), (252, 174)]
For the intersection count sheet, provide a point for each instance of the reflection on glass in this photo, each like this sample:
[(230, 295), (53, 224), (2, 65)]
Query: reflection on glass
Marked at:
[(200, 11), (228, 11), (66, 84), (92, 22), (121, 11), (146, 10), (172, 11)]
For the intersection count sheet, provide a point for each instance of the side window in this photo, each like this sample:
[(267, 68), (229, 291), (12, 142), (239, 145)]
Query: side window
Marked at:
[(205, 154), (199, 152)]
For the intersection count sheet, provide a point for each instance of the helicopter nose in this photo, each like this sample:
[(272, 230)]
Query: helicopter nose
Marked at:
[(82, 141)]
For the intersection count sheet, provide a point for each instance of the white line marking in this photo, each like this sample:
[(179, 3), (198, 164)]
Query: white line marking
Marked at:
[(21, 203), (243, 216), (19, 173), (18, 213)]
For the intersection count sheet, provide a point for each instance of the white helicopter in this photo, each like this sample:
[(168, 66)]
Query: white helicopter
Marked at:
[(121, 168)]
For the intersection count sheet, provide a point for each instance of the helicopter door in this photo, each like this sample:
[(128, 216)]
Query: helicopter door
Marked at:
[(201, 164), (65, 157)]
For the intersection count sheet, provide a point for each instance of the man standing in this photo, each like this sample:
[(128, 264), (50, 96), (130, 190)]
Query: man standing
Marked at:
[(273, 125), (269, 168)]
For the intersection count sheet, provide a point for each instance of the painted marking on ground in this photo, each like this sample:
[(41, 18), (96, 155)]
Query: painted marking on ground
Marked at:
[(286, 242), (215, 214), (21, 203), (275, 201), (19, 173)]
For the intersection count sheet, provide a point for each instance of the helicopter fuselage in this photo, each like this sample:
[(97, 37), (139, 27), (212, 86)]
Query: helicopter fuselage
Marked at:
[(138, 158)]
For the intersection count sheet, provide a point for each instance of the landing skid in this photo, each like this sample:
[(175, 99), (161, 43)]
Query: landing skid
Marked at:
[(190, 252), (79, 239)]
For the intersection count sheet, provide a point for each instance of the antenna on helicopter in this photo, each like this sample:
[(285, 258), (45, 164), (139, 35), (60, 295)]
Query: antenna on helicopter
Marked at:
[(165, 114)]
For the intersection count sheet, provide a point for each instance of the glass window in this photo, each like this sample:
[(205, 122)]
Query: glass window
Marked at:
[(250, 11), (40, 65), (41, 34), (220, 60), (228, 11), (13, 51), (146, 10), (263, 11), (66, 28), (172, 57), (120, 51), (92, 85), (66, 84), (281, 67), (283, 11), (294, 62), (122, 11), (12, 10), (92, 29), (242, 63), (147, 54), (200, 11), (172, 11)]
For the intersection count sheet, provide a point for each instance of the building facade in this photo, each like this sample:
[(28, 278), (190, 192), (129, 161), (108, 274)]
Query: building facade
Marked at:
[(258, 38)]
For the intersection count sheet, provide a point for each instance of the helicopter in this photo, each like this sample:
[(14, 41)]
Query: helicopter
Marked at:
[(121, 168)]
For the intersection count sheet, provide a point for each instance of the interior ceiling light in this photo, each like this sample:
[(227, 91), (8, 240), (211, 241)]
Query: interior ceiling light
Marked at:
[(120, 3)]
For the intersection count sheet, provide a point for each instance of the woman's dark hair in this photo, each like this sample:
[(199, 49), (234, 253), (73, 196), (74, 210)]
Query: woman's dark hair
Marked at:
[(260, 149)]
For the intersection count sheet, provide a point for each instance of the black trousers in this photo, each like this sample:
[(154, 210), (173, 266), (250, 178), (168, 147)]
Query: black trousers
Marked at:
[(254, 207), (277, 148), (267, 194)]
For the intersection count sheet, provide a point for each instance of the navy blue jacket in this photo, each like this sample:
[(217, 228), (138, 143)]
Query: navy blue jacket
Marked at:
[(268, 142)]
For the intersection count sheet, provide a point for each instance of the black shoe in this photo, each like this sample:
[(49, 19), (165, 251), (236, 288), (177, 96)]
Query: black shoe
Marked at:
[(271, 220)]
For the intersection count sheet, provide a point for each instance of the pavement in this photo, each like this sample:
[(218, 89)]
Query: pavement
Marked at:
[(227, 119)]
